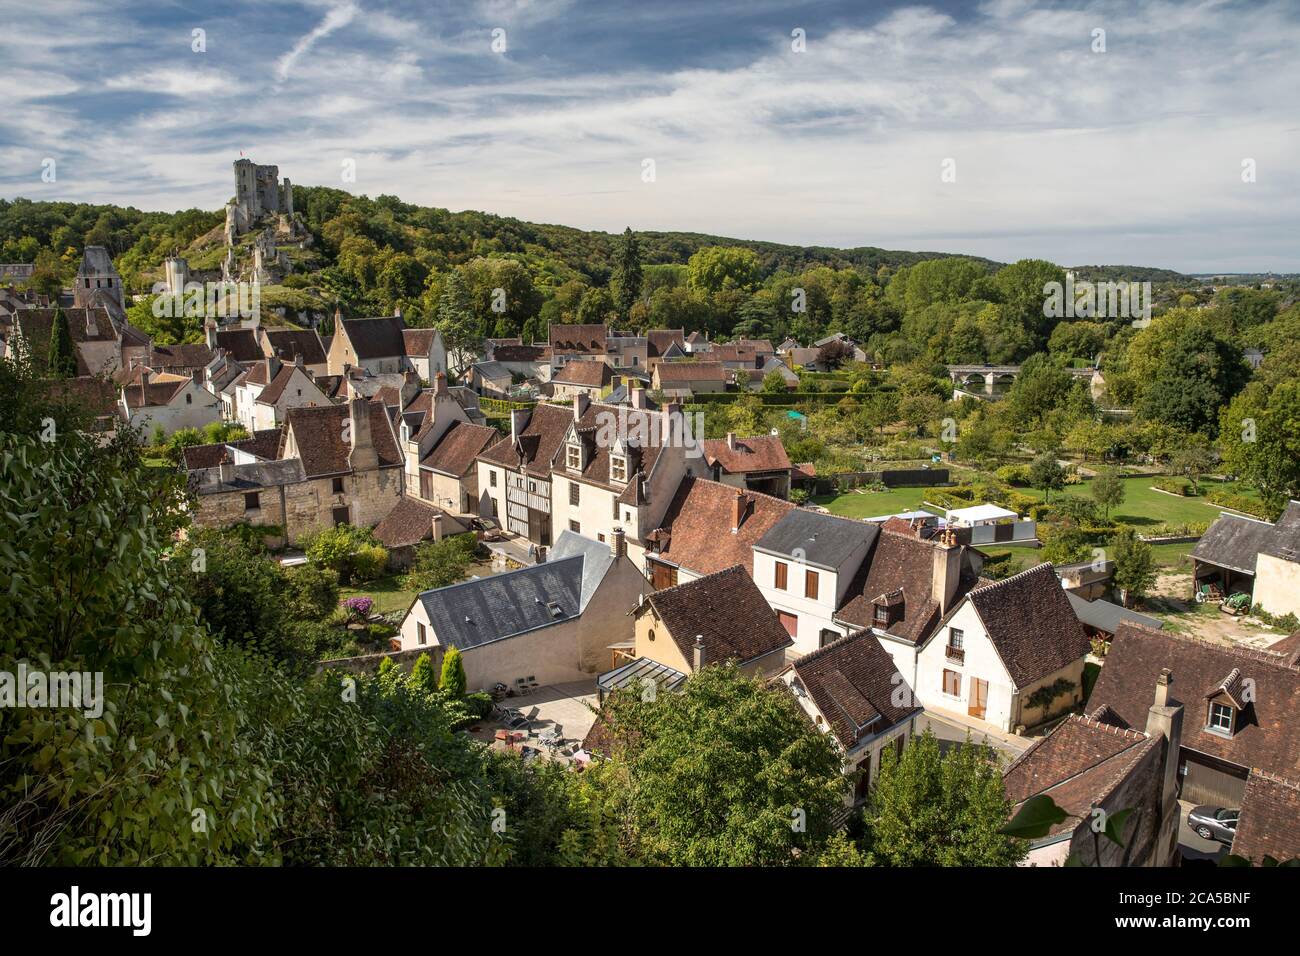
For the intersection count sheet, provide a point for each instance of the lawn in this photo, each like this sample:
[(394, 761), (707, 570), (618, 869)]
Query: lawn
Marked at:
[(387, 592), (1145, 507), (869, 504)]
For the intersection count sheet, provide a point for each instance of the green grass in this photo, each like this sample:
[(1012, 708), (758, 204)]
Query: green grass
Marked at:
[(869, 504), (1145, 507), (388, 594)]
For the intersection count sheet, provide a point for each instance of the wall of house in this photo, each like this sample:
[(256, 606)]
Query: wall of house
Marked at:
[(594, 511), (449, 493), (1139, 791), (981, 661), (491, 498), (564, 392), (1032, 716), (201, 409), (813, 615), (1277, 585), (606, 620)]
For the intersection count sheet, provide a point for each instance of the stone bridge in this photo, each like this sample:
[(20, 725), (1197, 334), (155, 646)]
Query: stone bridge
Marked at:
[(991, 375)]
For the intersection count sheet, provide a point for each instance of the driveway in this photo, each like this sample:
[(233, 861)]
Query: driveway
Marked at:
[(949, 731), (1190, 845)]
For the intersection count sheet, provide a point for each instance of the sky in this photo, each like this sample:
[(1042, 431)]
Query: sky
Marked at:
[(999, 129)]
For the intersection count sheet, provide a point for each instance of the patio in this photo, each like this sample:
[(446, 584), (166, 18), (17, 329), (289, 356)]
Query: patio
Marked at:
[(563, 710)]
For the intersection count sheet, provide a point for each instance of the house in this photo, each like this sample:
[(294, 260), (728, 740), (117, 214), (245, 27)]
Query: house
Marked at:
[(376, 345), (978, 516), (425, 352), (548, 623), (627, 350), (334, 464), (1010, 653), (448, 473), (1242, 706), (1269, 825), (690, 378), (490, 379), (1089, 764), (514, 476), (239, 344), (660, 342), (589, 378), (755, 464), (709, 526), (178, 359), (716, 618), (423, 420), (266, 392), (150, 401), (1101, 619), (804, 565), (95, 339), (260, 446), (851, 690), (1245, 554), (573, 341), (527, 361), (697, 342), (289, 344), (95, 396), (756, 378), (411, 522)]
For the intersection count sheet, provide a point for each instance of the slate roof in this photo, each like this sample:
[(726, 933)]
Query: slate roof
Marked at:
[(639, 458), (95, 261), (94, 394), (822, 540), (696, 531), (658, 340), (727, 611), (578, 338), (492, 371), (1268, 732), (1286, 535), (599, 559), (375, 338), (240, 344), (455, 451), (1078, 764), (184, 357), (1234, 541), (691, 372), (855, 686), (760, 453), (318, 432), (287, 343), (1106, 616), (899, 563), (1270, 819), (592, 373), (501, 606), (1031, 623)]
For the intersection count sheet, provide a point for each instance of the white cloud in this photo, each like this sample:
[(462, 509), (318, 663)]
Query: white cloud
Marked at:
[(335, 19)]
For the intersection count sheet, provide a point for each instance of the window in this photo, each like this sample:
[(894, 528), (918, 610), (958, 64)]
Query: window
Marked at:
[(338, 486), (617, 468), (955, 638), (1221, 718), (574, 494), (492, 478), (651, 634), (420, 635), (827, 636), (575, 527), (189, 399), (779, 580), (600, 538), (951, 683), (810, 584), (573, 457), (251, 502)]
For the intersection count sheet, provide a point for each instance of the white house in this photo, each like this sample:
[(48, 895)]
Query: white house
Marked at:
[(264, 395), (1010, 654), (426, 352), (172, 402)]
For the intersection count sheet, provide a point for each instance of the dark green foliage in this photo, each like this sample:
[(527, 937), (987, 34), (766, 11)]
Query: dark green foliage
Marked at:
[(63, 355), (452, 681)]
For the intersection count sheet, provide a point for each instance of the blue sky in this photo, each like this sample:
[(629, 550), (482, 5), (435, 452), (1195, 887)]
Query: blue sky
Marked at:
[(1132, 155)]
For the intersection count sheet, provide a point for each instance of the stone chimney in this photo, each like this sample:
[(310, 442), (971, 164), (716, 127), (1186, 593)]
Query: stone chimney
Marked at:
[(1165, 719), (226, 469), (440, 384), (518, 422), (637, 394), (731, 440), (697, 654), (618, 543), (436, 526), (541, 554), (363, 456), (272, 368), (298, 359), (92, 327), (580, 403), (738, 505), (946, 573)]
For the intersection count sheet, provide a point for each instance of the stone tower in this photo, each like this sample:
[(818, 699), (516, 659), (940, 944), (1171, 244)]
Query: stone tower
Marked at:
[(97, 278), (176, 272)]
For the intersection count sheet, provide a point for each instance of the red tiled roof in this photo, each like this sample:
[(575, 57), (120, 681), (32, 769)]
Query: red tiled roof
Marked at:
[(1270, 819), (578, 338), (318, 433), (592, 373), (539, 440), (418, 342), (760, 453), (698, 525), (411, 521), (658, 340), (456, 450), (727, 611), (240, 344)]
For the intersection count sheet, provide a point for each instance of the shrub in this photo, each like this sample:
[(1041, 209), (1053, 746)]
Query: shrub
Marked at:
[(479, 705), (1237, 502), (358, 608), (352, 552), (1014, 474), (1175, 486), (453, 674), (312, 592), (380, 631), (369, 562)]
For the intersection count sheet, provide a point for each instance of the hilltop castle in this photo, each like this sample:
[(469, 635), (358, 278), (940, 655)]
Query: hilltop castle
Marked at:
[(259, 192)]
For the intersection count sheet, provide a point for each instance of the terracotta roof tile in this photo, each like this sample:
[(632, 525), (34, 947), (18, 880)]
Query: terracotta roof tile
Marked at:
[(691, 372), (728, 612), (760, 453), (855, 686), (318, 433), (1270, 819), (698, 525), (456, 450), (592, 373), (240, 344)]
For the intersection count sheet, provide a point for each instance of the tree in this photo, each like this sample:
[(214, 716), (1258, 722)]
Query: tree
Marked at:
[(834, 354), (627, 273), (929, 809), (774, 383), (715, 269), (456, 321), (422, 677), (350, 551), (1108, 490), (1046, 473), (597, 307), (440, 563), (1195, 377), (728, 772), (452, 680), (1135, 565), (1260, 438), (62, 355)]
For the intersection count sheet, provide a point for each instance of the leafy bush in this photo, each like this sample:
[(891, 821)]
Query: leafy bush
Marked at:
[(440, 563), (479, 705), (312, 592), (350, 551), (1014, 474), (1237, 502), (1175, 486), (369, 562)]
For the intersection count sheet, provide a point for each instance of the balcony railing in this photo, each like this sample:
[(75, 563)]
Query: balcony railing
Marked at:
[(955, 654)]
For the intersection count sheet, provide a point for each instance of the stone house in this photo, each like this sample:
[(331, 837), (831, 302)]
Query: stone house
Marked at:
[(288, 345), (851, 690), (548, 623), (410, 523), (96, 341), (1010, 654), (376, 345), (171, 402), (754, 464), (448, 473), (530, 361), (490, 379), (690, 378), (573, 341), (589, 378), (264, 394), (425, 352)]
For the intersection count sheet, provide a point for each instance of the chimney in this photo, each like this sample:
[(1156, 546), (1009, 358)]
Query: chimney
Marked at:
[(440, 384), (946, 571), (518, 422), (580, 403), (92, 329), (1165, 719), (226, 469), (618, 543), (436, 526), (731, 440), (297, 359), (363, 456), (738, 511), (638, 395), (697, 654), (272, 368), (541, 554)]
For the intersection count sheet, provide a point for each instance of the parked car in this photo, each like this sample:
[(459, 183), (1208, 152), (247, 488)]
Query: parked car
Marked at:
[(1214, 823)]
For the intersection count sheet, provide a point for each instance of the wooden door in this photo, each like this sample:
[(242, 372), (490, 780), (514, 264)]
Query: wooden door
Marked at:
[(979, 697)]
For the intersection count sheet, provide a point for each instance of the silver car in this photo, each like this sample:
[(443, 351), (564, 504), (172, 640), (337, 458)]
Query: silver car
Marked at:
[(1214, 823)]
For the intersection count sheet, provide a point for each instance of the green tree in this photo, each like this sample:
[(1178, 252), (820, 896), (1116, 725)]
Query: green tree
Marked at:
[(627, 273), (62, 356), (1197, 375), (1260, 438), (1046, 473), (774, 383), (1108, 490), (452, 680), (456, 321), (348, 550), (715, 269), (1135, 565), (928, 809), (440, 563), (422, 677)]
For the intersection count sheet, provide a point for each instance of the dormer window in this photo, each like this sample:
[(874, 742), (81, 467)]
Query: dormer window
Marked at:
[(573, 456), (1221, 719), (882, 615), (617, 468)]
